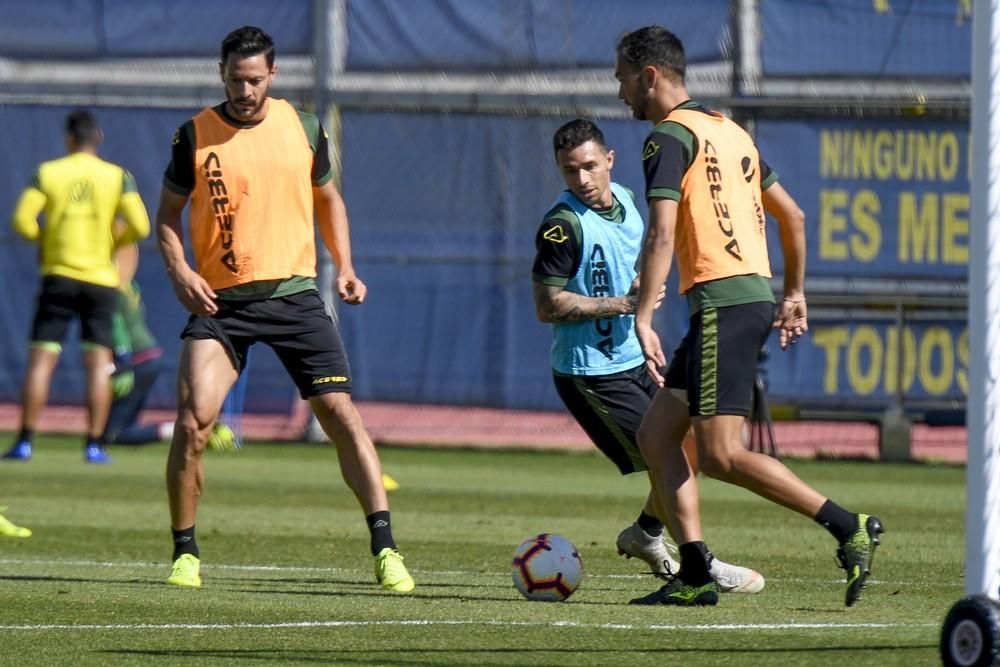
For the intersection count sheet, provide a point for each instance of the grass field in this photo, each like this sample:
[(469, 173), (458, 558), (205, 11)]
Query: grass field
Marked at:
[(287, 573)]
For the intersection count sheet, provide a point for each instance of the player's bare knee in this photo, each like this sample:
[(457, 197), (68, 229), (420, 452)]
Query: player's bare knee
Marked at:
[(192, 432), (648, 442), (336, 414), (341, 433), (715, 462)]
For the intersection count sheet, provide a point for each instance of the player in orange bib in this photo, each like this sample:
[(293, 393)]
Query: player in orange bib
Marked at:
[(707, 190), (258, 177)]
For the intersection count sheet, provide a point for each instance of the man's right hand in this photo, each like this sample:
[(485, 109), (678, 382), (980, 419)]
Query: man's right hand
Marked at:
[(194, 293), (649, 341)]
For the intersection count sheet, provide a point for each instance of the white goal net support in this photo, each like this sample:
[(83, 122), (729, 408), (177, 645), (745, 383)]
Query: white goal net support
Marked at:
[(982, 522)]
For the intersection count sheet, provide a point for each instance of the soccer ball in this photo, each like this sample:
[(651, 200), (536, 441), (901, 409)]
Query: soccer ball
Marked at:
[(546, 568)]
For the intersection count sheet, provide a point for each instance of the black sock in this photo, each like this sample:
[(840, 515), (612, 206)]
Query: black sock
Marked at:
[(695, 561), (184, 543), (26, 435), (381, 530), (650, 525), (94, 440), (837, 520)]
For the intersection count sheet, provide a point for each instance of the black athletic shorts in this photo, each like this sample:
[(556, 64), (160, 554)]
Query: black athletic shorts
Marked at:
[(299, 329), (716, 362), (610, 409), (61, 300)]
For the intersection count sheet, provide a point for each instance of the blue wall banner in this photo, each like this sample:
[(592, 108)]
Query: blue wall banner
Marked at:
[(60, 29), (444, 209), (518, 34), (882, 198), (870, 38), (444, 206), (846, 361)]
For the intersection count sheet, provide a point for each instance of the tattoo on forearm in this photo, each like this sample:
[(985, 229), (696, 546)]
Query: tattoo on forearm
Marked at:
[(591, 309), (570, 307)]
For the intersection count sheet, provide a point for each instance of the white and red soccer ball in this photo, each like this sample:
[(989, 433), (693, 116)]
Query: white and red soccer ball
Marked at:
[(546, 568)]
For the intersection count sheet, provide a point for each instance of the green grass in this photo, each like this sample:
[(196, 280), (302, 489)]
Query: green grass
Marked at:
[(287, 572)]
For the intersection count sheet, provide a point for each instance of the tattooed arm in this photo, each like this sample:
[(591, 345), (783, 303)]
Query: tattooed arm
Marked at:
[(556, 304)]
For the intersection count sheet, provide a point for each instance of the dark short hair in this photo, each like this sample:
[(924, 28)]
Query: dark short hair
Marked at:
[(247, 42), (575, 133), (654, 46), (82, 126)]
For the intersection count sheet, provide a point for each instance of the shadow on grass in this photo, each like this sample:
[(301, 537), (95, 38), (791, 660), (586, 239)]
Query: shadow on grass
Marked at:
[(74, 580), (503, 583), (350, 588), (347, 582), (347, 588), (354, 588), (423, 592), (422, 656)]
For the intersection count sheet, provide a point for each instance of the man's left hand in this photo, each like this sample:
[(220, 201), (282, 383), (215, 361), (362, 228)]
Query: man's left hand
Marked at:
[(350, 288), (791, 321)]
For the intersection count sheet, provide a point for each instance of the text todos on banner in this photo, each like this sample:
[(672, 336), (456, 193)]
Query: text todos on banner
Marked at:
[(864, 359)]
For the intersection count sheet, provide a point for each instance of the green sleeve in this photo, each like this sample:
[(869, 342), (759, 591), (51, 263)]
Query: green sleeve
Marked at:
[(322, 168), (121, 342), (128, 182)]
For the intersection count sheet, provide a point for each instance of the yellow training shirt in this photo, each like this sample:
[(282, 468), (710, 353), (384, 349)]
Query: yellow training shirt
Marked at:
[(81, 196)]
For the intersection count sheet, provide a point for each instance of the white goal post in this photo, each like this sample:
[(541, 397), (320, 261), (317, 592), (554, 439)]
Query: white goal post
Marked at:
[(982, 514)]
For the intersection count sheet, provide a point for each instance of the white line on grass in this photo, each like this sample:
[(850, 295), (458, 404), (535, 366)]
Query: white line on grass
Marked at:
[(335, 570), (550, 624)]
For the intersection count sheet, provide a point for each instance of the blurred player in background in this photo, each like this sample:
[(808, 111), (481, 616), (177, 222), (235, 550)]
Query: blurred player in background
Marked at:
[(259, 179), (584, 283), (137, 359), (81, 196), (707, 190)]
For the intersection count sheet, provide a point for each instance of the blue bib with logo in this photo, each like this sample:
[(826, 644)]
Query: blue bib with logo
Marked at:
[(609, 252)]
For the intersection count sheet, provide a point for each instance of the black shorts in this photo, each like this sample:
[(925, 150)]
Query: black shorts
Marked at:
[(610, 409), (716, 362), (61, 300), (299, 329)]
